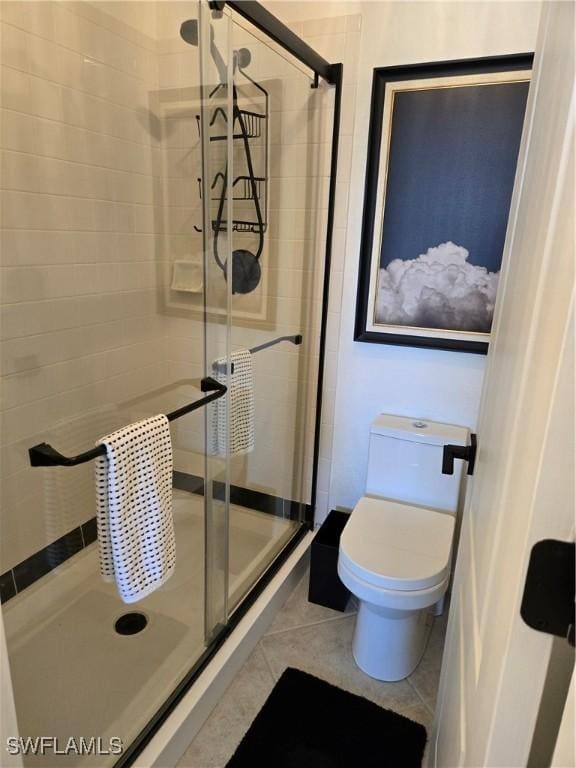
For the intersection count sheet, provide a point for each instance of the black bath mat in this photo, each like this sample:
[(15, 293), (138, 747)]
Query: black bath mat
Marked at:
[(307, 723)]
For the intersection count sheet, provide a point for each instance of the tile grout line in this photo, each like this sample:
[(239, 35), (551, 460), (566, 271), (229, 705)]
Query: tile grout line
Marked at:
[(419, 695), (413, 685), (14, 581), (266, 660), (310, 624)]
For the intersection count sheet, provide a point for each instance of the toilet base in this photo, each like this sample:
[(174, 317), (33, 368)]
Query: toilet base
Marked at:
[(389, 644)]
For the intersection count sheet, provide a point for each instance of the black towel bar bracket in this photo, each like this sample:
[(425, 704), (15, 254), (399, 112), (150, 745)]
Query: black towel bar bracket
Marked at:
[(297, 339), (44, 455)]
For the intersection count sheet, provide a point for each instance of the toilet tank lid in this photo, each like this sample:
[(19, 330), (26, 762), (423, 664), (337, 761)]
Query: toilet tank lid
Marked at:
[(419, 430)]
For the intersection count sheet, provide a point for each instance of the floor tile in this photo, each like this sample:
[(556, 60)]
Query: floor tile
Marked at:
[(298, 612), (426, 676), (318, 641), (420, 714), (222, 732), (325, 650)]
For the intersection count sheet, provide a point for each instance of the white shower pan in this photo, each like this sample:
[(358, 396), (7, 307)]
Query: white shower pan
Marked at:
[(74, 675)]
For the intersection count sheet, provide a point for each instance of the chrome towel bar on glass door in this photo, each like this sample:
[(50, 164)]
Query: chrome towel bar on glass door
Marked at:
[(43, 455)]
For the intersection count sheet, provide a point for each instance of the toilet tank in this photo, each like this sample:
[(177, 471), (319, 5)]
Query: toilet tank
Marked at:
[(405, 461)]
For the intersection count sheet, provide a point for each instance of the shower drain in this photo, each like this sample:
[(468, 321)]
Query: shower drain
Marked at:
[(131, 623)]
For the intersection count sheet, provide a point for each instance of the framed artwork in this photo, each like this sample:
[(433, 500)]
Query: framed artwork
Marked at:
[(442, 152)]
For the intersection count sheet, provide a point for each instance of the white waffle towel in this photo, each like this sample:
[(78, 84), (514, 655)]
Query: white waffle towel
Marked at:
[(136, 539), (239, 401)]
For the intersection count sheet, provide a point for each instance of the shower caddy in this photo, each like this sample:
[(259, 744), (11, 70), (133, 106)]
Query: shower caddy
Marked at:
[(247, 187)]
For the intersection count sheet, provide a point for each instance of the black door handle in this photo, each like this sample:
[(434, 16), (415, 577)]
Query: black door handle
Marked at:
[(548, 599), (464, 452)]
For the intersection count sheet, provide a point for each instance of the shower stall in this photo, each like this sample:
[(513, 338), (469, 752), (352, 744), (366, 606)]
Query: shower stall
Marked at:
[(168, 178)]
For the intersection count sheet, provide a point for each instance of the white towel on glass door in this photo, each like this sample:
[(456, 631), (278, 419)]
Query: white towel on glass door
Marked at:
[(240, 402), (136, 540)]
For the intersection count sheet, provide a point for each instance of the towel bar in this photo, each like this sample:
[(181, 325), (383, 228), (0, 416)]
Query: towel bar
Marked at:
[(297, 339), (44, 455)]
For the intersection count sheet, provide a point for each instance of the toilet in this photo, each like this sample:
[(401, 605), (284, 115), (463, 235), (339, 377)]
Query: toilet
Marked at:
[(395, 550)]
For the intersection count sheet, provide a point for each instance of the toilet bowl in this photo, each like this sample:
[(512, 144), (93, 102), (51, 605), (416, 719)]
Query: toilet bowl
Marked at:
[(396, 559), (396, 548)]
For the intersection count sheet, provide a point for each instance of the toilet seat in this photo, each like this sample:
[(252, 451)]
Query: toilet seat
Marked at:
[(396, 546), (408, 600)]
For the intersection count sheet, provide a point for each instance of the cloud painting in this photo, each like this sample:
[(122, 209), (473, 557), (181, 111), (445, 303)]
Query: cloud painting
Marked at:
[(439, 179), (439, 289)]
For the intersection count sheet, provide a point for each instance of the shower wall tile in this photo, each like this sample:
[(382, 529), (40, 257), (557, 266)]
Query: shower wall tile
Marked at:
[(46, 559), (89, 532), (348, 111), (332, 46), (330, 26), (42, 562), (15, 89), (81, 323), (338, 40), (14, 44), (336, 285)]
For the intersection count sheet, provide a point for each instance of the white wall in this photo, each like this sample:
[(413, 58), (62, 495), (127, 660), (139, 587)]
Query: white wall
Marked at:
[(365, 379), (373, 378)]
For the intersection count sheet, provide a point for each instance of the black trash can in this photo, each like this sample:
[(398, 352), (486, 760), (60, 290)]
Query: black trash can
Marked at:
[(325, 586)]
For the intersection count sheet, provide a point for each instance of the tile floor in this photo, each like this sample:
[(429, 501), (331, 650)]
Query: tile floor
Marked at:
[(316, 640)]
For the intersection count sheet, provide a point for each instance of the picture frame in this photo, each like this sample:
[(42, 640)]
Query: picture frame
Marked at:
[(443, 146)]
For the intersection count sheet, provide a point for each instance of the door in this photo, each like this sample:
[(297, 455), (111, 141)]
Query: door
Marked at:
[(565, 752), (523, 489)]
